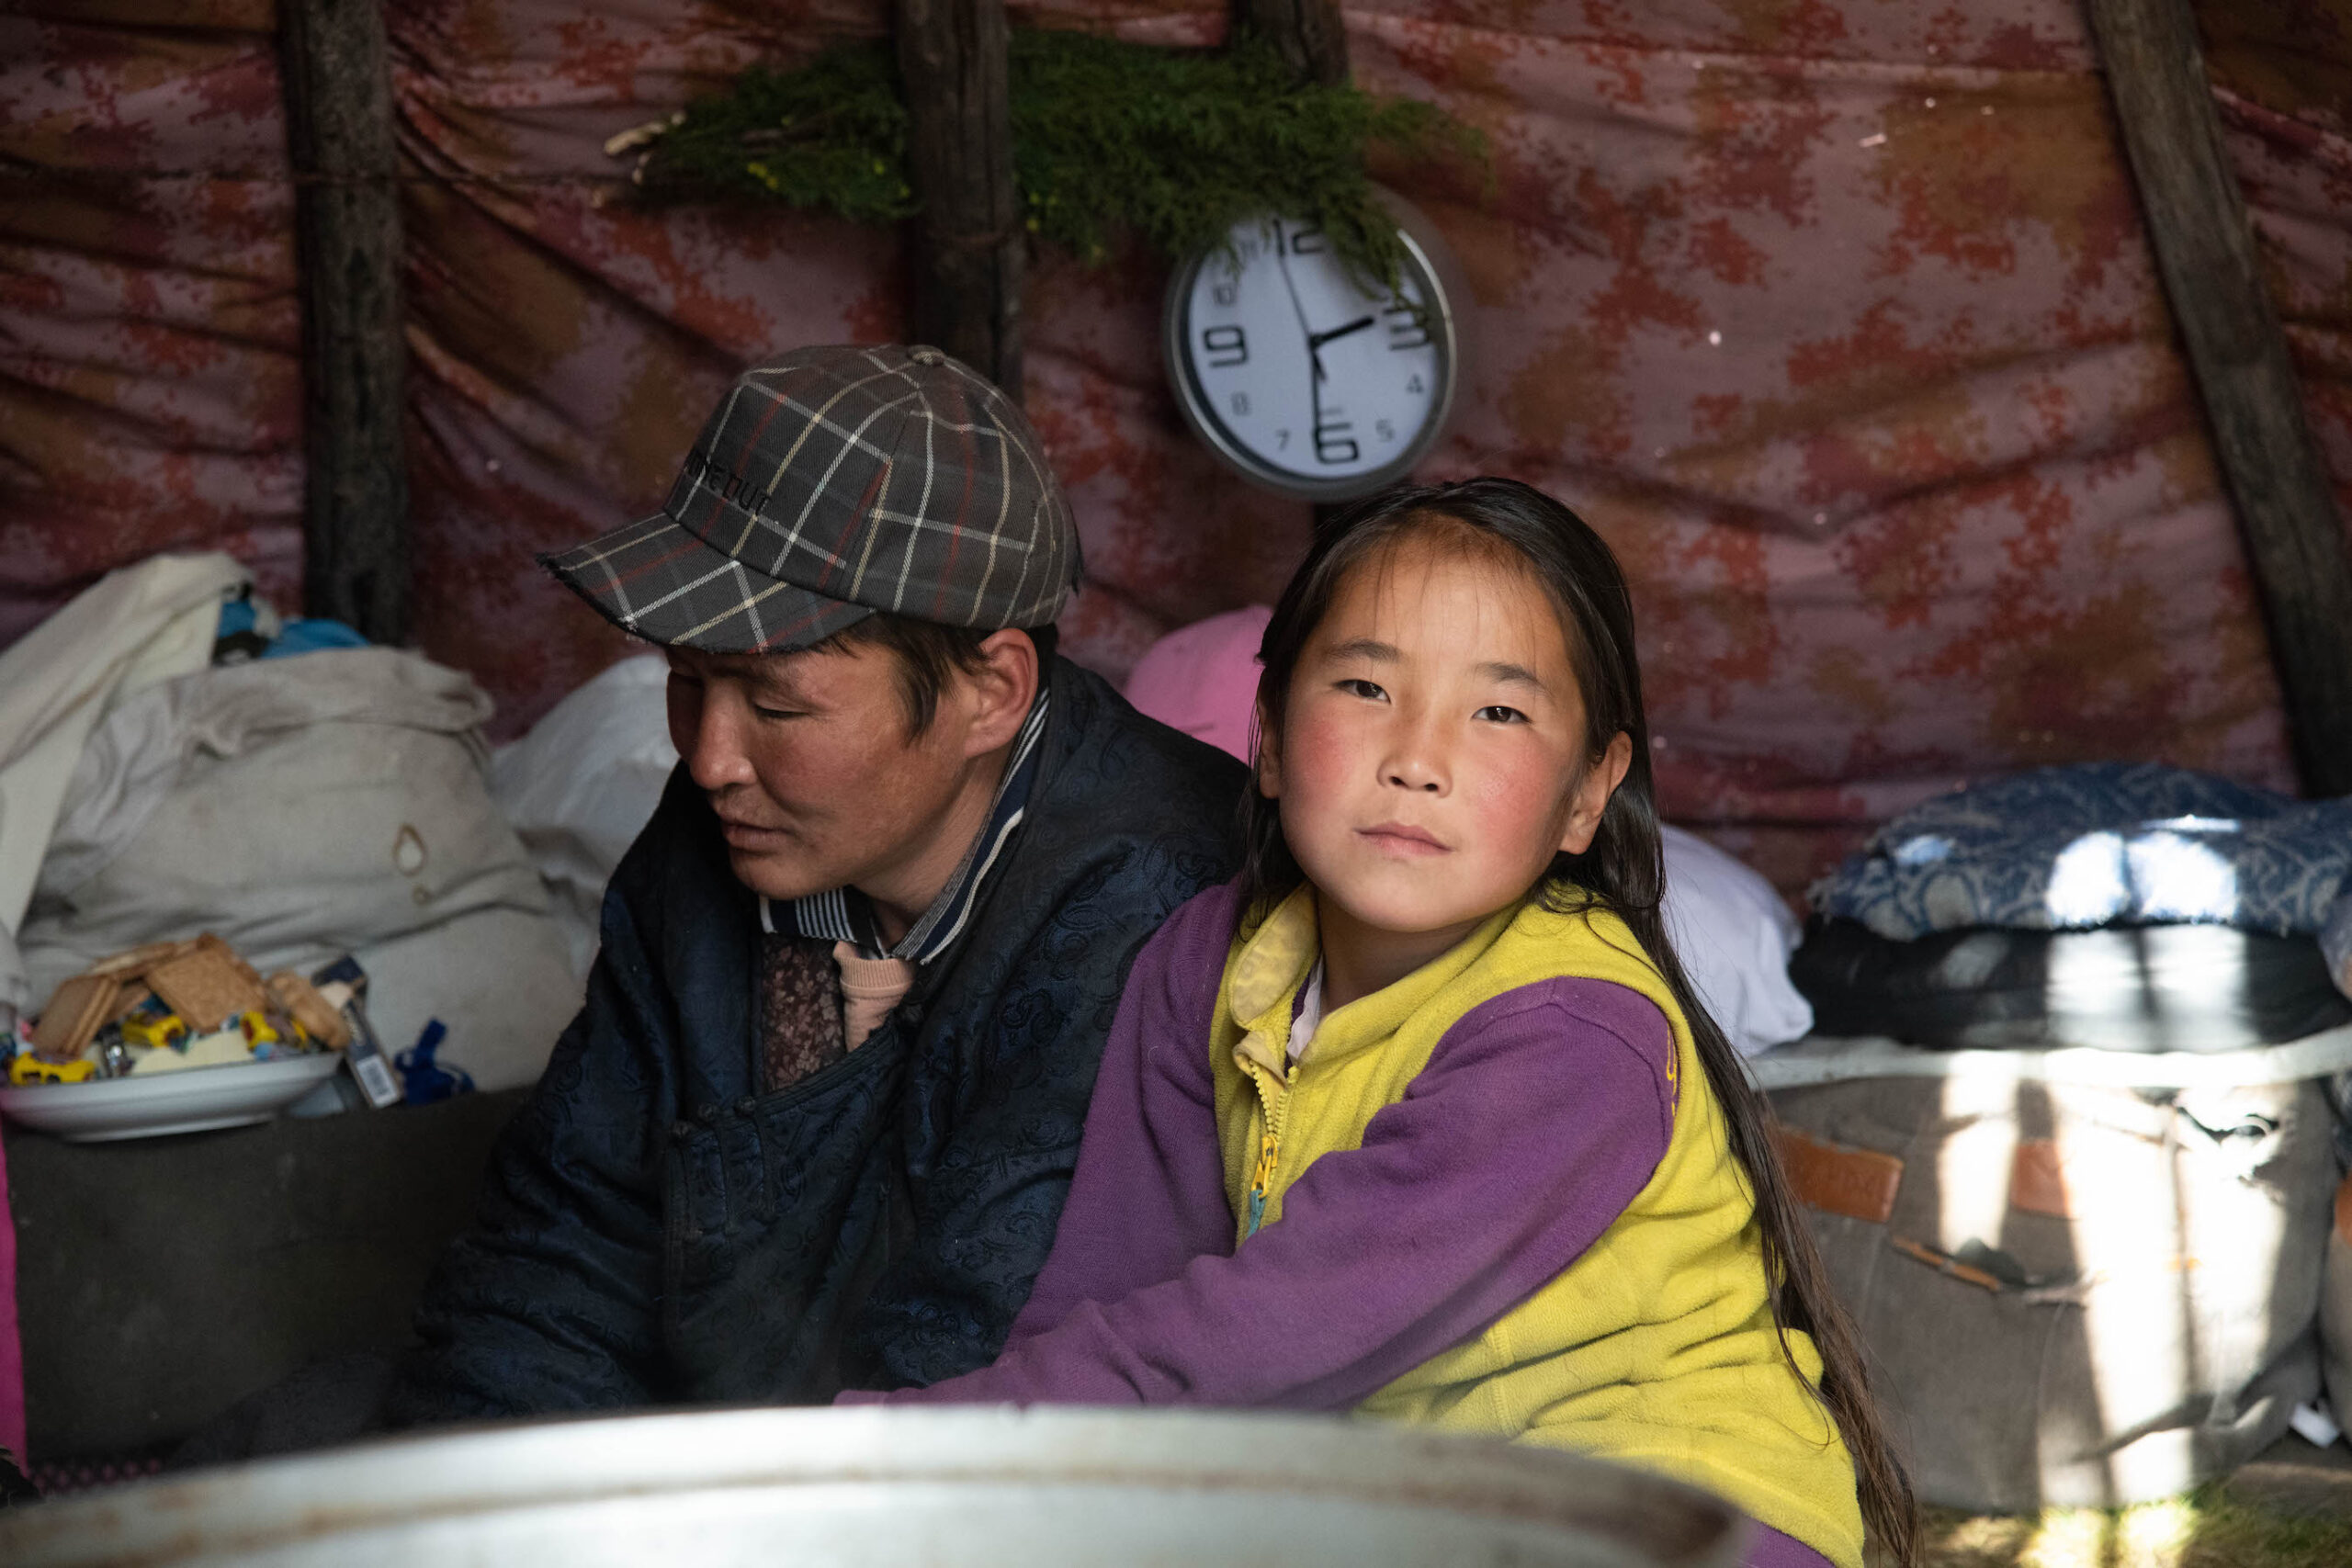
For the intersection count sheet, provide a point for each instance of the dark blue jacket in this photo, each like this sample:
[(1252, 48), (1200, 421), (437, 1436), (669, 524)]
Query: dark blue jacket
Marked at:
[(654, 1230)]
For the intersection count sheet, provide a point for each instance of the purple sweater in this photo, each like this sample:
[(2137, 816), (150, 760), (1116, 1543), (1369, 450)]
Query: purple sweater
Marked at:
[(1532, 1126)]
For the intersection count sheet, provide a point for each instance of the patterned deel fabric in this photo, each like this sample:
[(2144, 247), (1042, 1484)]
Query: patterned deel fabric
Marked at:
[(1837, 317)]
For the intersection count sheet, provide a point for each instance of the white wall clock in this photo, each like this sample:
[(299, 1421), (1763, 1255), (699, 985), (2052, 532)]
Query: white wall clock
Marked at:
[(1298, 377)]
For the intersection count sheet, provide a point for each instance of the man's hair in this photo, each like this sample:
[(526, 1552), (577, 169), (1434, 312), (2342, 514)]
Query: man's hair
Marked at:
[(929, 653)]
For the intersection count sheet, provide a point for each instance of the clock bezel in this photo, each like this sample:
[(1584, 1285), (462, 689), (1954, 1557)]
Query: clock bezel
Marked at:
[(1175, 335)]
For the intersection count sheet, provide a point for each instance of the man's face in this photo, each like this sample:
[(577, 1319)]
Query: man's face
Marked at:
[(806, 761)]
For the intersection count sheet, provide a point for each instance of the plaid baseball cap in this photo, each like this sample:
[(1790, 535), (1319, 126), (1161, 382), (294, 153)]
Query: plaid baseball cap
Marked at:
[(833, 483)]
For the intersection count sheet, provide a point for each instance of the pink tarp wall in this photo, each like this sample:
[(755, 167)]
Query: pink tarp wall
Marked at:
[(1836, 316)]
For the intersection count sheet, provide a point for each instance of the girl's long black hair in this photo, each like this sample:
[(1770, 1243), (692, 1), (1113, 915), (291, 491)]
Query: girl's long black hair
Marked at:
[(1623, 871)]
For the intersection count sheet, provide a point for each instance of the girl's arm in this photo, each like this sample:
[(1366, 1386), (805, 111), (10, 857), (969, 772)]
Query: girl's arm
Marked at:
[(1538, 1118), (1148, 1192)]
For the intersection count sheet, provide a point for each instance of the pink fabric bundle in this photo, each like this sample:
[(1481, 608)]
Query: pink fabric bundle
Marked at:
[(1203, 679)]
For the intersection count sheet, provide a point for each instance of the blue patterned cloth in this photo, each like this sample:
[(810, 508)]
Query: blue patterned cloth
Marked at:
[(2104, 843)]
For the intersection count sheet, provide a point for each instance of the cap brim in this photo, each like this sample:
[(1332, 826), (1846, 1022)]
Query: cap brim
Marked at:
[(656, 581)]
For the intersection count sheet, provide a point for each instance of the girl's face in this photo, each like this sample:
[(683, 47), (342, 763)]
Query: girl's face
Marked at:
[(1432, 757)]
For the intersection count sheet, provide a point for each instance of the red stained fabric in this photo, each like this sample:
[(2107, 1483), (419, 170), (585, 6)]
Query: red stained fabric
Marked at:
[(12, 1349), (1837, 318)]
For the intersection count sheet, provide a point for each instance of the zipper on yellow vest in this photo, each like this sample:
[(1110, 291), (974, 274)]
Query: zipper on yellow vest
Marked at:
[(1270, 1139)]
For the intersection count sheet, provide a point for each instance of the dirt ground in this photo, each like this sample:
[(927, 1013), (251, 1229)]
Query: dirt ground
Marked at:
[(2289, 1508)]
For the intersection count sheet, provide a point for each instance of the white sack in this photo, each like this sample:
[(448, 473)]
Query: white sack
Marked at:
[(133, 627), (581, 787), (497, 976), (307, 806)]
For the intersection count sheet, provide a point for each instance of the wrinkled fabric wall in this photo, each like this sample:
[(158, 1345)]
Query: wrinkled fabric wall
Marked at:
[(1834, 315)]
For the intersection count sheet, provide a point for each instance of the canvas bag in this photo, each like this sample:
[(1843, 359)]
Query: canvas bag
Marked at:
[(2171, 1241), (308, 807), (2335, 1287), (2335, 1308)]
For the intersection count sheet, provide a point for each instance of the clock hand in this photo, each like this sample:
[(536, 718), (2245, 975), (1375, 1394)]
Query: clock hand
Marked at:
[(1315, 397), (1317, 340), (1282, 259)]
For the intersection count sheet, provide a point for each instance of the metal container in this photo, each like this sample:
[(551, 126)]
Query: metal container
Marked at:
[(875, 1488)]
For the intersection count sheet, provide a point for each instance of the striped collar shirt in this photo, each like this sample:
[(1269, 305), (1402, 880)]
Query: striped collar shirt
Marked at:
[(843, 914)]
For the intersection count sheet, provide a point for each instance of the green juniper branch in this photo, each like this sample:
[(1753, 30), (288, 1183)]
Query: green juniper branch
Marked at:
[(1174, 146)]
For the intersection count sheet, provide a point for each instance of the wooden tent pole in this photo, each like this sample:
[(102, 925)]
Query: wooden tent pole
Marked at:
[(1313, 39), (969, 257), (2237, 354), (1310, 34), (347, 236)]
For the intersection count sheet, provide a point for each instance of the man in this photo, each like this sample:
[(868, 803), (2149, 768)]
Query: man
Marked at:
[(814, 1125)]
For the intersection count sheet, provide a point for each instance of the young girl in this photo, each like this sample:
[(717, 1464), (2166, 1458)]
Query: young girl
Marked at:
[(1418, 1116)]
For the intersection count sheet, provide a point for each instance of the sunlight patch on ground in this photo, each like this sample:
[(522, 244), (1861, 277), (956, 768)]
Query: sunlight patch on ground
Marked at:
[(2204, 1531)]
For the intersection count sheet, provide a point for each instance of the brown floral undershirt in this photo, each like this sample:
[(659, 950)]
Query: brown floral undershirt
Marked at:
[(801, 1008)]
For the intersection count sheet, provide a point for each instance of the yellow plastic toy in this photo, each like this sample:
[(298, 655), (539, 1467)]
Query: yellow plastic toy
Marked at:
[(30, 1069), (154, 1029)]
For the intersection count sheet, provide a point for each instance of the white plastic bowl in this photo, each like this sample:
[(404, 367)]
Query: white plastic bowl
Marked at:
[(193, 1100)]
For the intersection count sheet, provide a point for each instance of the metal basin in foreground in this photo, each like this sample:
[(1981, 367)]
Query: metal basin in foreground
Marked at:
[(978, 1488)]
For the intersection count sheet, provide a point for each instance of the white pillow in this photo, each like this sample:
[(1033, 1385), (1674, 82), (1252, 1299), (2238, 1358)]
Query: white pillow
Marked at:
[(1733, 936)]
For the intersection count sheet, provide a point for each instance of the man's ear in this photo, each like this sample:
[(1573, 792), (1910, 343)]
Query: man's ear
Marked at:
[(1269, 768), (1599, 781), (1001, 690)]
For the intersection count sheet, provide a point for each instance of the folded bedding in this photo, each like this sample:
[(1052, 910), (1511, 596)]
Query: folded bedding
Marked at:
[(2099, 844), (2199, 988)]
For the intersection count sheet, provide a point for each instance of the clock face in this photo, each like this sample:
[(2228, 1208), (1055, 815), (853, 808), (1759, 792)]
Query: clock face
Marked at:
[(1298, 376)]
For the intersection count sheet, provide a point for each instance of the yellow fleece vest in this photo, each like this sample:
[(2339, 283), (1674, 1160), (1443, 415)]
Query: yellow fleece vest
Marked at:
[(1656, 1348)]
